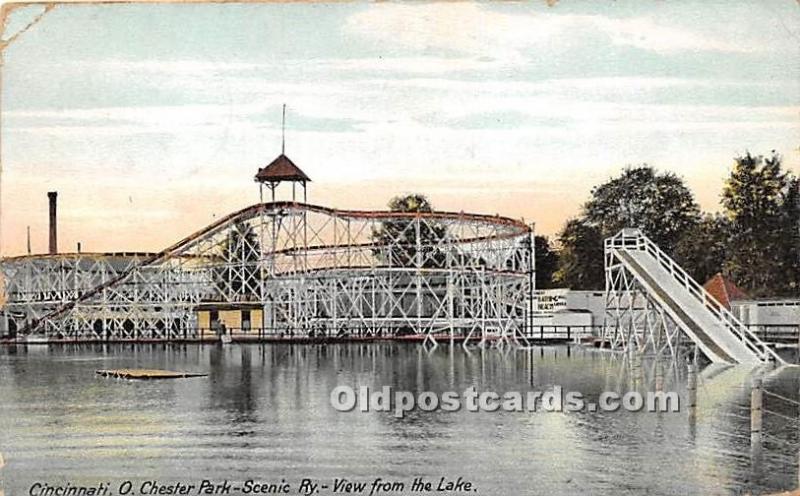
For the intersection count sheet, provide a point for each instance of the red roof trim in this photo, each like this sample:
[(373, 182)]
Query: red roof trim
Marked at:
[(723, 290), (281, 169)]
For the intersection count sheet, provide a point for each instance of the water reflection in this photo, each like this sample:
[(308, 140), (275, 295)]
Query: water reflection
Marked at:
[(263, 411)]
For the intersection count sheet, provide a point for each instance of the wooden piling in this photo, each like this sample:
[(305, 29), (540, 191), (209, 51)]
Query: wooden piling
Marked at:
[(756, 415), (756, 412), (691, 390), (636, 369), (659, 380)]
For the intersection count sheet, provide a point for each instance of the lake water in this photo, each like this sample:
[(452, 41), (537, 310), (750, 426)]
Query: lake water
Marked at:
[(263, 413)]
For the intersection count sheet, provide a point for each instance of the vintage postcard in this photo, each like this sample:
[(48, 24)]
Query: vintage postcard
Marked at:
[(400, 248)]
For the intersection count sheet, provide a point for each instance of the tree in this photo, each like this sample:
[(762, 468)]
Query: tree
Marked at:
[(240, 274), (792, 240), (546, 262), (702, 250), (580, 262), (400, 235), (659, 204), (760, 201)]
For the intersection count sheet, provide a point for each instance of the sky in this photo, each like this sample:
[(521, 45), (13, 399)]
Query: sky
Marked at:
[(150, 120)]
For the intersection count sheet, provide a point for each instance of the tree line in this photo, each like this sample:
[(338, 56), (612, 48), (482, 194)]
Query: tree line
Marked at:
[(754, 239)]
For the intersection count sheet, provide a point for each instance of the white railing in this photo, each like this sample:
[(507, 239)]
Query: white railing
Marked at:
[(633, 239)]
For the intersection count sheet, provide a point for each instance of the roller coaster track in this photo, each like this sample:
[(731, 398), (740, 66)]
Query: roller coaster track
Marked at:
[(509, 229)]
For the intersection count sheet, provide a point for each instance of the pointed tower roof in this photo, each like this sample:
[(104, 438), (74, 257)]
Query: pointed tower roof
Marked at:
[(724, 290), (281, 169)]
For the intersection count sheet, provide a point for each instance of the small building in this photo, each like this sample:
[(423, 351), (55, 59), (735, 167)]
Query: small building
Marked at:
[(561, 308), (591, 302), (230, 318), (770, 314), (280, 170), (771, 317), (724, 290)]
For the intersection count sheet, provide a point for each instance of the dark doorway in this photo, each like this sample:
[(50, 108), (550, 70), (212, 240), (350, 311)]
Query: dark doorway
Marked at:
[(246, 323)]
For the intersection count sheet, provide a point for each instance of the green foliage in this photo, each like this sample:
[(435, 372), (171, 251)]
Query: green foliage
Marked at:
[(659, 204), (414, 202), (402, 236), (580, 264), (546, 262), (702, 250), (791, 223), (760, 201), (754, 191)]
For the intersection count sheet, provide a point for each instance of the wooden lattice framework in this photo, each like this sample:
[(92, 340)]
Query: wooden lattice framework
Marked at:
[(307, 267)]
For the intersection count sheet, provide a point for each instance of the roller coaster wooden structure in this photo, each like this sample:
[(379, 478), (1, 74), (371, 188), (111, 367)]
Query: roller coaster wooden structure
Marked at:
[(307, 267)]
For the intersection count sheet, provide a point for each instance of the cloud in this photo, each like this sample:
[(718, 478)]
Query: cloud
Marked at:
[(354, 106), (457, 28), (470, 28), (647, 34)]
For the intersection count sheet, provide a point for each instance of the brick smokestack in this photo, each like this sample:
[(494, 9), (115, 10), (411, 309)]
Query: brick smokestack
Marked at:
[(53, 224)]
